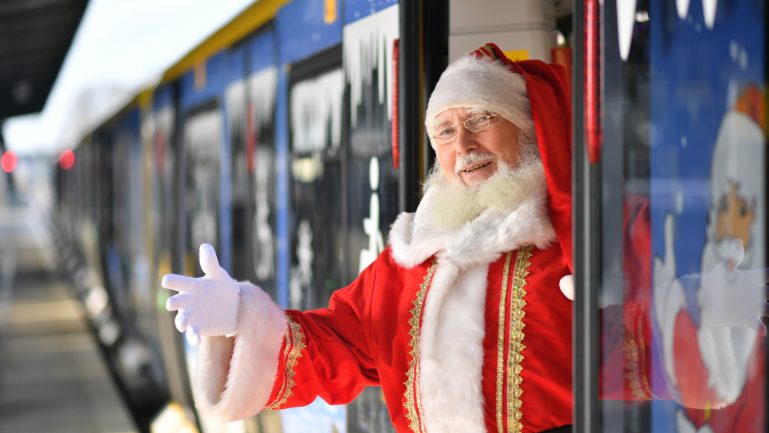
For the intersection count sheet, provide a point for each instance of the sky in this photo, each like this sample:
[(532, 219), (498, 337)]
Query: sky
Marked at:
[(120, 48)]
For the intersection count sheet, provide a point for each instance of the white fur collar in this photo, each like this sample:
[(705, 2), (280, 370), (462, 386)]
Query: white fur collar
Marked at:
[(479, 241), (453, 326)]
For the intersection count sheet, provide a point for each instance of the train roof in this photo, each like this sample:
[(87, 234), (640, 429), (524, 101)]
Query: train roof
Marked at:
[(251, 19), (248, 21)]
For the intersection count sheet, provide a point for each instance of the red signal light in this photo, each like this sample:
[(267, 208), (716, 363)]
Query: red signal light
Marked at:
[(67, 159), (9, 161)]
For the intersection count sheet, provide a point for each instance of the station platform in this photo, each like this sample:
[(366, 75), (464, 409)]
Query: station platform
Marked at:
[(52, 377)]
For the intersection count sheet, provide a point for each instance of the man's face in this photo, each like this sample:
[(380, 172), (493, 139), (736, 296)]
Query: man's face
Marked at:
[(498, 143)]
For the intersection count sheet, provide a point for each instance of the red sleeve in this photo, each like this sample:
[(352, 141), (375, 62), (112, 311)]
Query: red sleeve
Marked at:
[(626, 352), (626, 329), (327, 352)]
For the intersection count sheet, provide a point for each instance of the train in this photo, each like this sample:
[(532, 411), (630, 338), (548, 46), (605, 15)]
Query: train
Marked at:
[(292, 137)]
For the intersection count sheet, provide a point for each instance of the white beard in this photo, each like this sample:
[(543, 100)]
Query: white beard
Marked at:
[(731, 251), (451, 204)]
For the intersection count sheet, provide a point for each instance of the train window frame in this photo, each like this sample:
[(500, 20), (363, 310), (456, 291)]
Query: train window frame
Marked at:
[(213, 104), (318, 64)]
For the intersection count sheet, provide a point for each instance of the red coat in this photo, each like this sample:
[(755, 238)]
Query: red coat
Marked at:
[(371, 332), (465, 330)]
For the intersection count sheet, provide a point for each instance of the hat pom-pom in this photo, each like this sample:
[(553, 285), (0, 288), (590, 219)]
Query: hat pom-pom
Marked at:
[(567, 286)]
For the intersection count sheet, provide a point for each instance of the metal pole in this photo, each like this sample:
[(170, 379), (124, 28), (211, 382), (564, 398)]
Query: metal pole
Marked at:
[(587, 228)]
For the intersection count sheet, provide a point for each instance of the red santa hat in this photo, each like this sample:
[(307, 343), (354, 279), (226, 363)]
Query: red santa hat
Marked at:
[(535, 97)]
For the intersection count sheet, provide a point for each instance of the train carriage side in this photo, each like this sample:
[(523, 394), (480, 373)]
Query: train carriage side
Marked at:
[(105, 257), (291, 149)]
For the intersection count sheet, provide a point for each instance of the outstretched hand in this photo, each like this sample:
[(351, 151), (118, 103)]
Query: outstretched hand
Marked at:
[(206, 306)]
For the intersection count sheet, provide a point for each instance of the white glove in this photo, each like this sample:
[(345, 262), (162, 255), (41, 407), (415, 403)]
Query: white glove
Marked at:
[(207, 306)]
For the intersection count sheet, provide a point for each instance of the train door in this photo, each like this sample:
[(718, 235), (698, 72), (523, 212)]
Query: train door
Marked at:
[(242, 206), (310, 139), (106, 263), (125, 270), (372, 163), (205, 180), (118, 250), (670, 148), (353, 163), (373, 158), (202, 135), (260, 126), (250, 108), (317, 197), (200, 187), (524, 29)]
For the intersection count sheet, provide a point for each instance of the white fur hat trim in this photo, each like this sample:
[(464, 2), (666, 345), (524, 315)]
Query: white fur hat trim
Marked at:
[(481, 83)]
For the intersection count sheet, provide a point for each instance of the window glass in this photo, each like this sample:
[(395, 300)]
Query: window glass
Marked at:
[(371, 168), (250, 107), (682, 215), (202, 138), (317, 198)]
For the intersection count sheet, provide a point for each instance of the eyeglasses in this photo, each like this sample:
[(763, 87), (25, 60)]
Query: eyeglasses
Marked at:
[(478, 123)]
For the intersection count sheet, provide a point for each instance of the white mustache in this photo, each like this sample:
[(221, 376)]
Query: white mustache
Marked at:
[(470, 159), (731, 248)]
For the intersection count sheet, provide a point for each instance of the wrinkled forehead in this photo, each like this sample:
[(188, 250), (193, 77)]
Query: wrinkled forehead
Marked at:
[(453, 115)]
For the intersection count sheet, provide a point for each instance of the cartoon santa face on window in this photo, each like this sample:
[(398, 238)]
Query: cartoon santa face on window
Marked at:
[(709, 349), (736, 220)]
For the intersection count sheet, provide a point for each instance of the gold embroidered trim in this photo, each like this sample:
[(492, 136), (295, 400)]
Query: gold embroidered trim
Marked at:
[(501, 345), (413, 399), (635, 371), (631, 366), (515, 358), (292, 352)]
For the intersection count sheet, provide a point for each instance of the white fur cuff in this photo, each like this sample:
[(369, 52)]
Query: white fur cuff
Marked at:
[(234, 381)]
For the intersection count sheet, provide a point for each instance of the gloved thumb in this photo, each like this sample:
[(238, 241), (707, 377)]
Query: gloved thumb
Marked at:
[(208, 261)]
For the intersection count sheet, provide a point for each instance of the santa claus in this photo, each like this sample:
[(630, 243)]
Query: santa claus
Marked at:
[(712, 357), (460, 320)]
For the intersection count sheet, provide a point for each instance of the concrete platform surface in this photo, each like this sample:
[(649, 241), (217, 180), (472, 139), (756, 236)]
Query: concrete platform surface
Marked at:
[(52, 378)]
